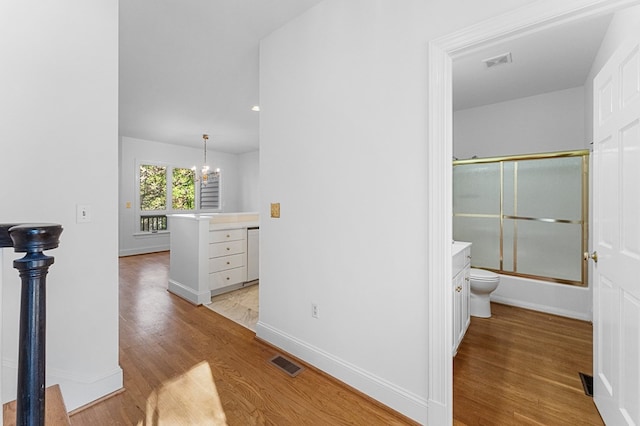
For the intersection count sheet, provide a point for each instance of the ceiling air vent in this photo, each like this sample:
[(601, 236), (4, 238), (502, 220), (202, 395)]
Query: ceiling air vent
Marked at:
[(505, 58)]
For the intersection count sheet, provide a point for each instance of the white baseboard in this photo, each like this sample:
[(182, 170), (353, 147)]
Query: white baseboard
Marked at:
[(401, 400), (189, 294), (143, 250), (541, 308), (77, 390)]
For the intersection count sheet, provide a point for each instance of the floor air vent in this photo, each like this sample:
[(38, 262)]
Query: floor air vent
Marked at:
[(289, 367), (587, 384)]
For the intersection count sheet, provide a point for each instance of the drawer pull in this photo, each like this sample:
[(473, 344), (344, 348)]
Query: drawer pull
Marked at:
[(228, 249), (228, 236), (465, 278), (228, 278), (228, 263)]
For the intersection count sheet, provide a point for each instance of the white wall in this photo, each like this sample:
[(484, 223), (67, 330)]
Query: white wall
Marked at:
[(543, 123), (59, 136), (249, 192), (239, 175), (343, 131)]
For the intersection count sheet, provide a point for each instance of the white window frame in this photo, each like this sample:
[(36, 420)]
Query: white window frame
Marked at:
[(169, 201)]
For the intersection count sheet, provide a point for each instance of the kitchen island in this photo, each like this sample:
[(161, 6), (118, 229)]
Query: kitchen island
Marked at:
[(210, 254)]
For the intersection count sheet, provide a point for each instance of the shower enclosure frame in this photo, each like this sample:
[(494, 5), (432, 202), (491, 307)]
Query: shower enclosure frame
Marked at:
[(502, 216)]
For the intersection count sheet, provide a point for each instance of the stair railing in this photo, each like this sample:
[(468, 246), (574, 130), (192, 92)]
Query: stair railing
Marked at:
[(31, 239)]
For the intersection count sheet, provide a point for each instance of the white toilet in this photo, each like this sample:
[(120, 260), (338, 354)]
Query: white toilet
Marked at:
[(483, 283)]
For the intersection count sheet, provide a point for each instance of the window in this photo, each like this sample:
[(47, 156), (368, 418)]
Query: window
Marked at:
[(153, 187), (161, 186), (183, 191)]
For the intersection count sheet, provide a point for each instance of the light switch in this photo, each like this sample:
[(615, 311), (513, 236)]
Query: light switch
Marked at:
[(83, 213), (275, 210)]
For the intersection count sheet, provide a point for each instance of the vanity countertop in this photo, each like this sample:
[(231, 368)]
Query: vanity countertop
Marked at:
[(458, 246)]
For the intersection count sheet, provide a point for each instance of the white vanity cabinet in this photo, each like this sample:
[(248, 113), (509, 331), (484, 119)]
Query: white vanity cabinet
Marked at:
[(461, 262), (227, 258)]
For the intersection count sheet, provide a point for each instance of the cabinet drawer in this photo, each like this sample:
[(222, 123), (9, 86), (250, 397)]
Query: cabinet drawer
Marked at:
[(227, 235), (226, 262), (460, 260), (227, 248), (457, 263), (225, 278)]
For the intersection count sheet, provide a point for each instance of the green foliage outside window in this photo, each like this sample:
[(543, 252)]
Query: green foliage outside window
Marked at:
[(153, 187), (183, 193), (154, 193)]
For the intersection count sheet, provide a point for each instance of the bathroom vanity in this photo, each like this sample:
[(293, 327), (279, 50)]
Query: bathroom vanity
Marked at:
[(461, 262), (211, 254)]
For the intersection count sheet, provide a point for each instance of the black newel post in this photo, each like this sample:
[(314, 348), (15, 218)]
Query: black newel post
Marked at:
[(32, 239)]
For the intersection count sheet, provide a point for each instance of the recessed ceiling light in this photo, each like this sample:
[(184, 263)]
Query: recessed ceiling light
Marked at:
[(255, 108)]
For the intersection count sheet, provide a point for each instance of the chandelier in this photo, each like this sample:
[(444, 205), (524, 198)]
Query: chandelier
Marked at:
[(205, 173)]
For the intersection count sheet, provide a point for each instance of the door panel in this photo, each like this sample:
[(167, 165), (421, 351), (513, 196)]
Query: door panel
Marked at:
[(606, 158), (606, 326), (630, 201), (616, 207), (629, 364)]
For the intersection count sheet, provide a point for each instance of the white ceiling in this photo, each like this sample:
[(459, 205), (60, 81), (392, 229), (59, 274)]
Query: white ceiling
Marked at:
[(191, 67), (553, 59)]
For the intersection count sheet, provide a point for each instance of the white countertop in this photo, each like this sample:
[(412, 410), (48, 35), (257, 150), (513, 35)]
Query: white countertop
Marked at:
[(458, 246), (219, 221)]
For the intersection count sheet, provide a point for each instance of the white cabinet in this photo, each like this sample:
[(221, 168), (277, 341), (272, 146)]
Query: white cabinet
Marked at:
[(208, 254), (461, 262), (227, 258)]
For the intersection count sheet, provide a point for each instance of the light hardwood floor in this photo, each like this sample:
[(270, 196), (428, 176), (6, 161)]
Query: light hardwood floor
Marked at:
[(521, 367), (184, 365), (182, 362)]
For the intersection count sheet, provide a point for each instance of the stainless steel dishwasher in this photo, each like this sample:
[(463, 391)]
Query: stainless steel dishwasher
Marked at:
[(253, 253)]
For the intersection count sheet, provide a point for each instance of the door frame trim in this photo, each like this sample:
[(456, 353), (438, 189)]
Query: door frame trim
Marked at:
[(530, 18)]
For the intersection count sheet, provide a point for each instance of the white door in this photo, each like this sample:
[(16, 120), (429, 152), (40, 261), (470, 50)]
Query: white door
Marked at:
[(616, 238)]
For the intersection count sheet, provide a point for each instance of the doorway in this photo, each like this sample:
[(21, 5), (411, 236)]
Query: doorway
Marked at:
[(531, 18)]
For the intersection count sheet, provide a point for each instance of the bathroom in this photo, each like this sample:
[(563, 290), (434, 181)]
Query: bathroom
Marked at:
[(517, 129)]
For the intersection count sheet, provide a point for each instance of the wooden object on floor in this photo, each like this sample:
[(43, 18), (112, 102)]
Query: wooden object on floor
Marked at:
[(521, 367), (55, 410), (181, 361)]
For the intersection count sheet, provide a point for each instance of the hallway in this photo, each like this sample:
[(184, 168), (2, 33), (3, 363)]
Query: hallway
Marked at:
[(182, 363)]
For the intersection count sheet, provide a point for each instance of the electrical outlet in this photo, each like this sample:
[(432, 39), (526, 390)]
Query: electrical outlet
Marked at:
[(315, 311)]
